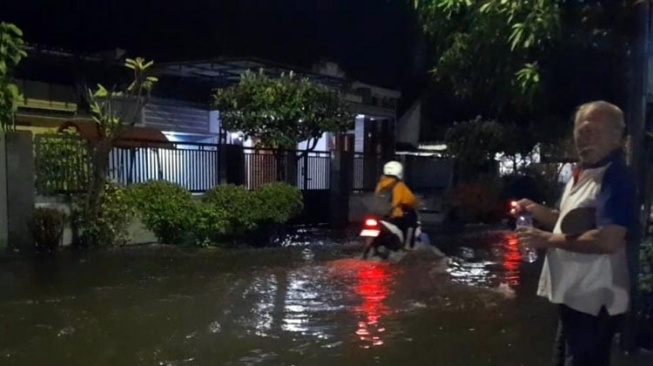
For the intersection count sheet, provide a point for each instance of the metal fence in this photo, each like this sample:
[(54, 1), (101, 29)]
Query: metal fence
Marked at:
[(193, 166), (305, 170), (63, 165), (314, 170)]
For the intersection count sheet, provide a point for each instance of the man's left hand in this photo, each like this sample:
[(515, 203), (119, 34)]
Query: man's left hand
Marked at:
[(534, 238)]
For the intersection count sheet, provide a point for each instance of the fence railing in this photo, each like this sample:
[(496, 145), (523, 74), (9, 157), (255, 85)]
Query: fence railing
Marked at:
[(192, 166), (305, 170), (315, 171), (63, 165)]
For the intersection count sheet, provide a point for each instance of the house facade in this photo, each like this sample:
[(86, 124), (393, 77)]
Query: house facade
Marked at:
[(53, 83)]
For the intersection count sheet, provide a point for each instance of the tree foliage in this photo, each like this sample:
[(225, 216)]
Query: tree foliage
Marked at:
[(12, 51), (474, 144), (281, 112), (528, 63), (116, 109), (489, 49)]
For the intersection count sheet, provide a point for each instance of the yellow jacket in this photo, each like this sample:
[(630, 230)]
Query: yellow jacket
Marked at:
[(402, 197)]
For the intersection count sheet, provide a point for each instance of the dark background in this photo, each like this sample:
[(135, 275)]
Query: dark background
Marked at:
[(375, 41)]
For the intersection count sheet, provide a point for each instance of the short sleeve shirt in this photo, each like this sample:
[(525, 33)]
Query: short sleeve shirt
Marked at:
[(587, 282)]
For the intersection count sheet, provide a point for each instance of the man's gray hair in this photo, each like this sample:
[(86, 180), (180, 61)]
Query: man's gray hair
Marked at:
[(613, 113)]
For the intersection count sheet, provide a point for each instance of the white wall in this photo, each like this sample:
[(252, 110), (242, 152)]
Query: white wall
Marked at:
[(408, 126), (170, 115), (359, 134)]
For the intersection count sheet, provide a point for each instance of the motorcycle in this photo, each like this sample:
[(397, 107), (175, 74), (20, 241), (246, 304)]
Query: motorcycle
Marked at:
[(382, 237)]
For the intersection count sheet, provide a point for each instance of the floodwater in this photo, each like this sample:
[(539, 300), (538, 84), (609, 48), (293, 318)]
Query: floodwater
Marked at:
[(308, 304)]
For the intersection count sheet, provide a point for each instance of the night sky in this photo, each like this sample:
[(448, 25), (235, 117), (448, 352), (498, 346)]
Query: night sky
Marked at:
[(375, 41)]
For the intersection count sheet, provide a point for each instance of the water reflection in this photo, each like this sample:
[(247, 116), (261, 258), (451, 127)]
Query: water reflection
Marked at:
[(373, 287), (492, 262), (283, 306), (511, 259), (303, 237)]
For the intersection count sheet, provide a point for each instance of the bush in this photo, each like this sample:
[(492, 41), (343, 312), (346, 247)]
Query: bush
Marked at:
[(165, 208), (209, 224), (252, 217), (109, 227), (47, 228), (279, 202), (225, 213), (242, 208)]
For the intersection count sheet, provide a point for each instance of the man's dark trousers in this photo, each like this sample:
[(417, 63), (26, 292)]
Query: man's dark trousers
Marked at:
[(583, 339)]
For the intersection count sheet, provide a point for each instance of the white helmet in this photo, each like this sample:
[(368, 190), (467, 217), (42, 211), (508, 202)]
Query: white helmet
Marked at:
[(394, 169)]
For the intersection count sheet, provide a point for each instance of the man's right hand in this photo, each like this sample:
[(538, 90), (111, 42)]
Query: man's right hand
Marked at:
[(540, 213), (523, 204)]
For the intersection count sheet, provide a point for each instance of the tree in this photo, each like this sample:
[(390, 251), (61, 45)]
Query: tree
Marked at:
[(12, 51), (282, 112), (488, 50), (528, 63), (113, 111), (474, 144)]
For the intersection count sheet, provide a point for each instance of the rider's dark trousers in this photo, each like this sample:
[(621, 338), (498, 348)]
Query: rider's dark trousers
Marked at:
[(409, 219)]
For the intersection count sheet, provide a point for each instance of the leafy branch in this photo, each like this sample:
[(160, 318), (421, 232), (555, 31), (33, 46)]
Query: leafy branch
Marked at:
[(489, 49), (12, 51)]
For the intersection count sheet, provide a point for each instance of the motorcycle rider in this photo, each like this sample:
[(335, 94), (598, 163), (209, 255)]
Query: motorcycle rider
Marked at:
[(395, 202)]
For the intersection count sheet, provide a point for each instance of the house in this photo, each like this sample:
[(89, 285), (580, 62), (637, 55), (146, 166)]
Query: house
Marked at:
[(374, 107), (53, 82)]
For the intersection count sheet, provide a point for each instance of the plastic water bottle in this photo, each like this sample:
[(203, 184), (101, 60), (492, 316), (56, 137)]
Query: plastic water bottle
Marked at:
[(528, 254)]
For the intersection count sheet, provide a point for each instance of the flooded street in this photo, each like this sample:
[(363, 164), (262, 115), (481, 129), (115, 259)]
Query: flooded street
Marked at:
[(301, 305)]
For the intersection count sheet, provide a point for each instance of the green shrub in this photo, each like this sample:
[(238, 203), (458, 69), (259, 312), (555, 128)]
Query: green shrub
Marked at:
[(278, 202), (109, 227), (242, 208), (47, 228), (237, 214), (209, 224), (165, 208)]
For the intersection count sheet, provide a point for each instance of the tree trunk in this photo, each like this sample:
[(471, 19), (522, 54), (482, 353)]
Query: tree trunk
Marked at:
[(96, 188)]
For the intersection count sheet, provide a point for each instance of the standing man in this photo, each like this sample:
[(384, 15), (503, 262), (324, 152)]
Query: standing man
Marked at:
[(586, 268)]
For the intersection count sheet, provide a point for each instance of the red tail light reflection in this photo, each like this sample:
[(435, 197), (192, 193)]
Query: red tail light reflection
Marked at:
[(371, 223), (373, 287), (511, 259)]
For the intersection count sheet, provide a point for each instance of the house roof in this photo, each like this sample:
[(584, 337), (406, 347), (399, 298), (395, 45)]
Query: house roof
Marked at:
[(225, 71), (132, 137)]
